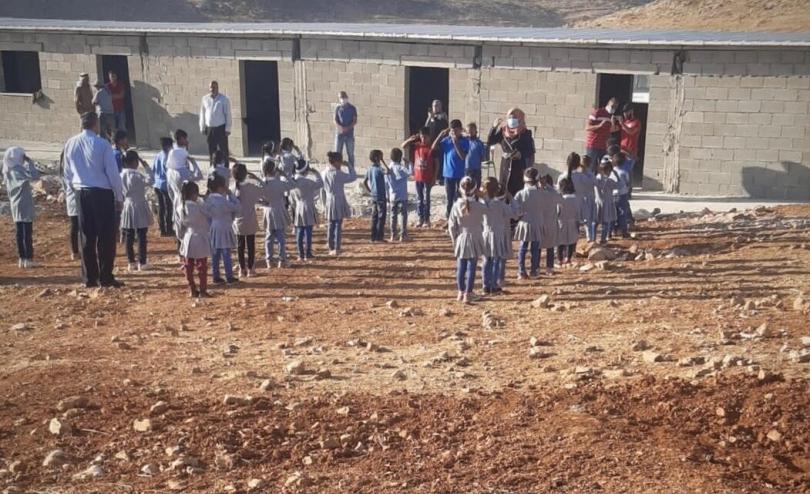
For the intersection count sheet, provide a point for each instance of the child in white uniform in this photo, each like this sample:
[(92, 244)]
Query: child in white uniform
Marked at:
[(336, 205), (306, 186), (136, 215), (195, 246), (465, 225), (569, 224), (245, 224), (222, 206), (18, 173)]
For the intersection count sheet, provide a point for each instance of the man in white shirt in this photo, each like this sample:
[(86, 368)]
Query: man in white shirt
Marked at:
[(215, 120)]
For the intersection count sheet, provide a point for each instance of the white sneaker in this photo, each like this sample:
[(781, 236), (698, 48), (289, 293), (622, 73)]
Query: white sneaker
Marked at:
[(30, 263), (132, 267), (282, 264), (73, 256), (269, 263), (21, 264), (144, 267)]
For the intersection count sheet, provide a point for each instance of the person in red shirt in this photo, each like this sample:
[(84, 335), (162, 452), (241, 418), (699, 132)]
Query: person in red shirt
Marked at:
[(631, 130), (597, 131), (424, 172), (118, 93)]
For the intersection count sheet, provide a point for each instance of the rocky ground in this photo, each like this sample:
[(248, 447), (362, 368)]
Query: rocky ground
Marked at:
[(676, 361)]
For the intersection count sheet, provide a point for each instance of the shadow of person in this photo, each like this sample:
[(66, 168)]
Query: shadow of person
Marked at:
[(790, 183), (160, 123)]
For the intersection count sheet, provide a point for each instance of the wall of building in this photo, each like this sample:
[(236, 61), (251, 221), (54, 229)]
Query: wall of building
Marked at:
[(732, 122)]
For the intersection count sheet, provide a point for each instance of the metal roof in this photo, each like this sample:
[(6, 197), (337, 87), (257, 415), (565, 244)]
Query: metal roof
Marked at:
[(420, 32)]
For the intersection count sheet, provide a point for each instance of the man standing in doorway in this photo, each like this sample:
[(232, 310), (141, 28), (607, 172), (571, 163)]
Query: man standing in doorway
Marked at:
[(436, 121), (215, 120), (454, 148), (90, 171), (83, 95), (345, 120), (597, 131), (118, 93), (104, 110)]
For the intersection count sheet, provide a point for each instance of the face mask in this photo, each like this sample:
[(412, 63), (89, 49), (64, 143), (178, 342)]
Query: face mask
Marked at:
[(512, 123), (343, 101), (609, 109)]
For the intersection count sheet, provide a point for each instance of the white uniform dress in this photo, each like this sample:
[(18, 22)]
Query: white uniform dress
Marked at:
[(177, 172), (18, 175), (275, 210), (569, 220), (222, 210), (136, 213), (497, 238), (528, 201), (248, 194), (467, 229), (196, 241), (305, 191), (605, 202), (550, 201), (336, 205), (584, 184)]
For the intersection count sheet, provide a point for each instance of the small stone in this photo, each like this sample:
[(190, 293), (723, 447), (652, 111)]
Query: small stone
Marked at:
[(538, 353), (774, 435), (805, 341), (399, 375), (122, 456), (640, 346), (55, 458), (298, 479), (72, 402), (267, 385), (159, 408), (601, 254), (21, 327), (149, 469), (763, 331), (123, 345), (692, 361), (615, 373), (344, 411), (445, 312), (652, 357), (239, 401), (58, 428), (143, 425), (175, 485), (586, 267), (330, 443), (255, 484), (323, 373), (92, 472), (800, 357), (392, 304), (542, 302), (296, 367)]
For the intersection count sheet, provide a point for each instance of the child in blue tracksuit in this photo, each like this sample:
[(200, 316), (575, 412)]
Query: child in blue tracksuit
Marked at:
[(375, 184), (222, 206), (161, 187), (475, 156), (397, 181)]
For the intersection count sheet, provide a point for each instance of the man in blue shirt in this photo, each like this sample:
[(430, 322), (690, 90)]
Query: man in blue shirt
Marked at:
[(454, 148), (345, 120), (91, 172), (477, 152), (375, 184)]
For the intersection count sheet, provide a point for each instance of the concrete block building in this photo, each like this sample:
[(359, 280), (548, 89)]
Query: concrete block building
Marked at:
[(724, 113)]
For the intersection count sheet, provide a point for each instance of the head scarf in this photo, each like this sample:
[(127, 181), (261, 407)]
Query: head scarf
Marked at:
[(178, 157), (521, 128), (13, 158)]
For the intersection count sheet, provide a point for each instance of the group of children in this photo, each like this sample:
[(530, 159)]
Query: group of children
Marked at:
[(483, 222)]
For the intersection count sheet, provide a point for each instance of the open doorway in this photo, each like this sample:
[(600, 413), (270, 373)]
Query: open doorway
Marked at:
[(120, 65), (425, 84), (633, 89), (260, 108)]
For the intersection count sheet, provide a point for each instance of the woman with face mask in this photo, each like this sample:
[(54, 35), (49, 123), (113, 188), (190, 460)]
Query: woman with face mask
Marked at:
[(517, 146)]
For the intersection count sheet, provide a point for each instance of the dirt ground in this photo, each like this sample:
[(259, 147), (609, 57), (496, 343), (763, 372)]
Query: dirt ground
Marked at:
[(680, 372)]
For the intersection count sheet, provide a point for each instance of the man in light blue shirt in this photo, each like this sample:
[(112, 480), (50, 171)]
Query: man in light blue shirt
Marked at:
[(104, 109), (345, 120), (92, 174)]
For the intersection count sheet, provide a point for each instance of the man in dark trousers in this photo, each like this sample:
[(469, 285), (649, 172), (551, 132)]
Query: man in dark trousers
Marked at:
[(215, 120), (91, 171)]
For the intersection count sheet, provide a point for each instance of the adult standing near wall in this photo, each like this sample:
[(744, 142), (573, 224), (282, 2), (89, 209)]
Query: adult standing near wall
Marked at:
[(92, 174), (215, 120), (597, 131), (345, 121), (83, 95), (517, 146), (118, 92), (630, 133), (436, 122), (105, 111)]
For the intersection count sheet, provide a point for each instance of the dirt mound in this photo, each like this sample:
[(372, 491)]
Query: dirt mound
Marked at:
[(710, 15)]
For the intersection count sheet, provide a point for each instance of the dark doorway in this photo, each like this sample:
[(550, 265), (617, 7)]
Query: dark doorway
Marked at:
[(260, 110), (120, 65), (624, 87), (425, 84)]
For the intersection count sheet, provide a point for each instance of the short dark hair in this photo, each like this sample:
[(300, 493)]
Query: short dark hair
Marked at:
[(89, 119), (268, 166), (239, 172), (375, 155), (613, 149), (120, 135), (216, 181), (456, 124), (334, 157), (472, 124), (166, 142), (425, 130), (180, 134), (131, 156), (269, 147), (396, 154), (567, 186), (286, 142)]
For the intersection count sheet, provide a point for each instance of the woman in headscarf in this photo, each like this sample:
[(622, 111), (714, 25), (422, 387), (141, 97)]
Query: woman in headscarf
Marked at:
[(18, 173), (517, 145)]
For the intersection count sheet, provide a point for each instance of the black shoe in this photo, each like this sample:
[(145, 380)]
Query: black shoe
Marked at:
[(113, 284), (91, 284), (218, 281), (232, 280)]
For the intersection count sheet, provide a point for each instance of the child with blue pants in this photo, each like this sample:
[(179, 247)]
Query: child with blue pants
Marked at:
[(465, 225), (222, 206), (497, 243), (605, 202), (274, 200), (307, 186), (375, 184), (336, 205)]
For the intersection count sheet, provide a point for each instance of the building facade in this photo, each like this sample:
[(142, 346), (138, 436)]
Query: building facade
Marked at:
[(723, 114)]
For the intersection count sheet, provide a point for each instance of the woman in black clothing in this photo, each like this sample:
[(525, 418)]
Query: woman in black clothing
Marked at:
[(517, 145)]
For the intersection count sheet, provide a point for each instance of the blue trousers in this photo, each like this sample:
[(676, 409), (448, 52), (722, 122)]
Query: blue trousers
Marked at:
[(423, 196), (271, 237), (225, 256), (451, 188), (623, 213), (378, 213), (303, 237), (342, 140), (501, 272), (596, 157), (120, 121), (334, 234), (476, 176), (490, 272), (535, 251), (465, 274), (607, 228), (399, 211)]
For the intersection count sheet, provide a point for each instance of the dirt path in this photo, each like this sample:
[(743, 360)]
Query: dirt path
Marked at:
[(400, 389)]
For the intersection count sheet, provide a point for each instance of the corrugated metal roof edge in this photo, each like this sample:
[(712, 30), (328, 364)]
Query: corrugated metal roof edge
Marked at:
[(679, 38)]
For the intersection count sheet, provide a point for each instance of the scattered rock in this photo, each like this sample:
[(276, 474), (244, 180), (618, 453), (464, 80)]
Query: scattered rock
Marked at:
[(267, 385), (73, 402), (805, 341), (640, 346), (330, 443), (763, 331), (55, 458), (392, 304), (58, 427), (490, 321), (92, 472), (692, 361), (297, 479), (344, 411), (399, 375), (445, 312), (142, 425), (542, 302), (615, 373), (601, 254), (159, 408), (21, 327), (652, 357), (801, 356), (538, 353), (774, 435), (239, 401), (323, 373), (295, 368), (149, 469), (255, 484)]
